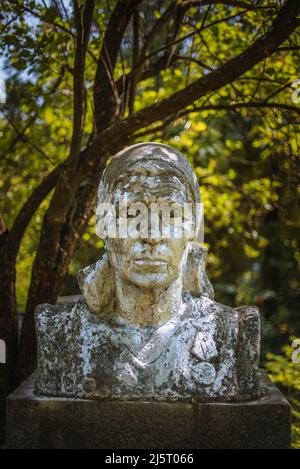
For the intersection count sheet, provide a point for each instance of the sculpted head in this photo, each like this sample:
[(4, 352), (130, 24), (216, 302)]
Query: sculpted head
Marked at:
[(155, 197)]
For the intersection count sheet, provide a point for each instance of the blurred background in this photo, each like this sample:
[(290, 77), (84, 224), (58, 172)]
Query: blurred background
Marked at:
[(244, 150)]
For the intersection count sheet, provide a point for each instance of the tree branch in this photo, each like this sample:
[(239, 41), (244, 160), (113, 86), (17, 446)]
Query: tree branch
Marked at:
[(42, 18), (177, 41), (236, 106), (158, 25), (138, 72), (32, 204), (106, 102), (135, 55), (83, 23), (282, 27)]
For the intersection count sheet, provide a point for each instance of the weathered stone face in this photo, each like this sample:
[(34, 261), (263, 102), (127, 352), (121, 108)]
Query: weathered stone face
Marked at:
[(148, 265), (149, 261), (147, 326)]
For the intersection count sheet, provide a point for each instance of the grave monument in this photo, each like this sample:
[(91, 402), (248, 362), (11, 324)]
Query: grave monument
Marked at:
[(146, 358)]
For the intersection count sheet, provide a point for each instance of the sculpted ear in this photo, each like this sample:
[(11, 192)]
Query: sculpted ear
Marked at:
[(97, 285), (195, 280)]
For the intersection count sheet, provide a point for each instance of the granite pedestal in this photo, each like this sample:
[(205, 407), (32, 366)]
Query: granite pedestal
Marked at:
[(40, 422)]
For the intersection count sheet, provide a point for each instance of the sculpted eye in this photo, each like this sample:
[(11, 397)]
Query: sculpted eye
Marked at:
[(133, 212), (175, 215), (128, 213)]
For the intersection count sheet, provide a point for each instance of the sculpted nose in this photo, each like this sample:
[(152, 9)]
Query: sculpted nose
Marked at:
[(152, 241)]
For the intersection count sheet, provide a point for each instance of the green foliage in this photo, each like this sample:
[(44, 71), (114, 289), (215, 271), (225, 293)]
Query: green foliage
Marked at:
[(247, 160), (242, 140), (251, 211), (286, 374)]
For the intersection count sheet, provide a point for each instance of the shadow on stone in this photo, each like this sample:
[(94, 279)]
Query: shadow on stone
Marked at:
[(40, 422)]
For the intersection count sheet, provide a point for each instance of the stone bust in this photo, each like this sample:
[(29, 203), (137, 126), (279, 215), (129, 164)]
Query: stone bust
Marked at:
[(147, 326)]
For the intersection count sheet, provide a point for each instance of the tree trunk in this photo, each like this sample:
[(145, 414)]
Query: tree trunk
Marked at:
[(50, 267), (9, 247), (8, 328)]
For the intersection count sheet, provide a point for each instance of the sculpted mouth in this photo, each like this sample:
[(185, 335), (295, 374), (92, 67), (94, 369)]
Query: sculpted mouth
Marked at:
[(150, 261)]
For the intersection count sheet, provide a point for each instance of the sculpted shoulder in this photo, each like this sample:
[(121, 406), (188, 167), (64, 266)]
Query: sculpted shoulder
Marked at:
[(207, 309), (56, 319), (204, 306), (240, 326)]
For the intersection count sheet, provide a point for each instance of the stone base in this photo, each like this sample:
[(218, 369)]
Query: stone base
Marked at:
[(36, 422)]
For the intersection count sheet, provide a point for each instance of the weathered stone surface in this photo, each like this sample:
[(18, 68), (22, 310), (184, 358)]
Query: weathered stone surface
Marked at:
[(2, 402), (41, 422), (200, 354), (147, 326)]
